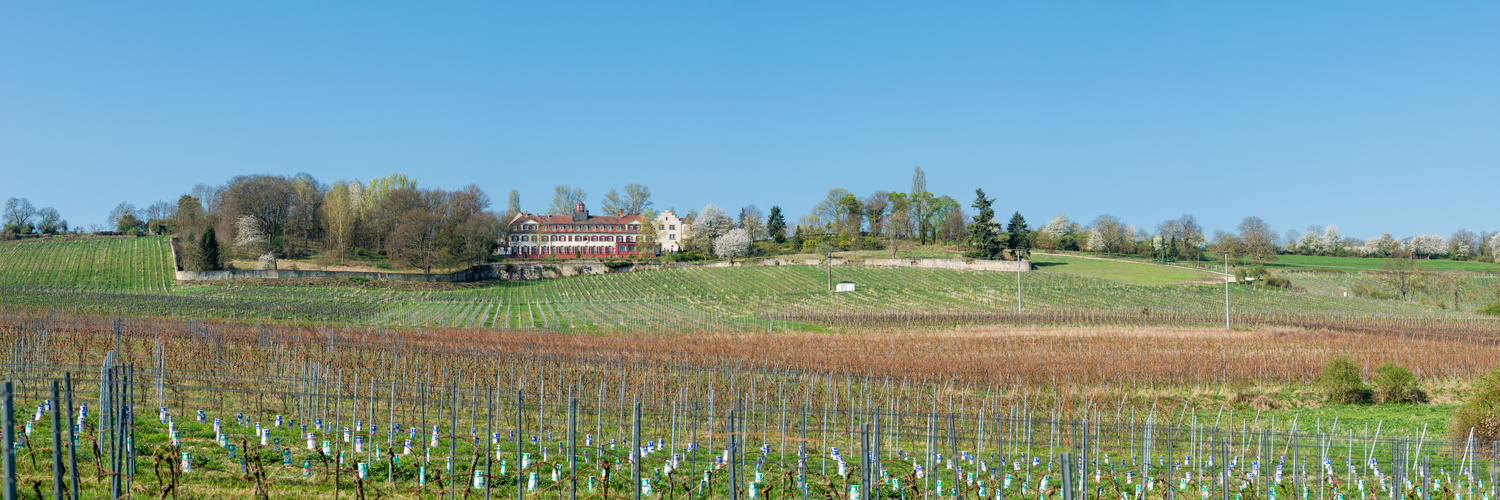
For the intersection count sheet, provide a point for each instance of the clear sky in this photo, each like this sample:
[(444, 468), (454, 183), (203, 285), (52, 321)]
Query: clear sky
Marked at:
[(1375, 116)]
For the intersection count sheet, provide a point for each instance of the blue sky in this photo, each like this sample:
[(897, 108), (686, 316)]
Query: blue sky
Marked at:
[(1375, 116)]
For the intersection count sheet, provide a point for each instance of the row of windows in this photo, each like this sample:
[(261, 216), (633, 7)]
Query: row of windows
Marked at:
[(565, 237), (572, 249), (581, 227)]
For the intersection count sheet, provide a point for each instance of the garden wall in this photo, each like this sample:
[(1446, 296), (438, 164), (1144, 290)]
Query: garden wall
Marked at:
[(560, 269)]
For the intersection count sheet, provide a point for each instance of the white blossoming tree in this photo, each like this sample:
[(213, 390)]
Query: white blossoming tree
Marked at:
[(735, 243), (1427, 245)]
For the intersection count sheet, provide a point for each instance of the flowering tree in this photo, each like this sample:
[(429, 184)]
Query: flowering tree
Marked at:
[(712, 223), (1427, 245), (1495, 247), (735, 243)]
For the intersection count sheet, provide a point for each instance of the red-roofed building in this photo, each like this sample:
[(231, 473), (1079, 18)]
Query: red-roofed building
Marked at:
[(576, 235)]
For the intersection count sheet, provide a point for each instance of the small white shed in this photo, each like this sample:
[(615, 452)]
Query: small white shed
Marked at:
[(844, 286)]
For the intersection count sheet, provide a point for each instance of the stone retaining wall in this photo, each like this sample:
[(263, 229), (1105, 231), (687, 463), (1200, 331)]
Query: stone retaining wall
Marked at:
[(536, 271)]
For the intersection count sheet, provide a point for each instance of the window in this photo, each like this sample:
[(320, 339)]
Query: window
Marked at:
[(671, 236), (674, 227)]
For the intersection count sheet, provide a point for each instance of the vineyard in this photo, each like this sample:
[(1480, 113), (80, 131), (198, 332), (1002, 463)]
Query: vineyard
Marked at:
[(133, 276), (107, 408)]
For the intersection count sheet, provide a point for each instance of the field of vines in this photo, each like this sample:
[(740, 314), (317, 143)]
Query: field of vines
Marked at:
[(153, 408), (132, 276), (120, 265)]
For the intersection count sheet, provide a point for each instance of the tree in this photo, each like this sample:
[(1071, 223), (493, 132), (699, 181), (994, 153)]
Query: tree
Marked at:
[(750, 221), (208, 251), (512, 205), (919, 208), (188, 218), (478, 236), (1185, 235), (1395, 384), (1479, 412), (875, 206), (564, 198), (984, 242), (1494, 246), (415, 239), (1019, 237), (1060, 226), (159, 210), (851, 214), (710, 224), (733, 244), (1340, 381), (776, 224), (918, 181), (1404, 276), (118, 213), (828, 213), (339, 216), (1427, 245), (646, 232), (611, 203), (1257, 240), (1108, 234), (637, 198), (19, 212), (1463, 244), (49, 221)]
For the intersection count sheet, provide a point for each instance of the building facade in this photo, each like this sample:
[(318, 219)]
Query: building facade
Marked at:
[(575, 235), (670, 231)]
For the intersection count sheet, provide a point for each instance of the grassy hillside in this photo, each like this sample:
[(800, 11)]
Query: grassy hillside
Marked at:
[(117, 275), (119, 264)]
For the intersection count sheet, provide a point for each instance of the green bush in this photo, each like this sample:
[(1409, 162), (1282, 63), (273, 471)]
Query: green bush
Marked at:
[(1482, 412), (1341, 383), (1395, 384), (1492, 309)]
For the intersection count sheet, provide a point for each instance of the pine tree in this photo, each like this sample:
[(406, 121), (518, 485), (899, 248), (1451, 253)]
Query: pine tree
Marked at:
[(776, 225), (208, 251), (1020, 239), (983, 242)]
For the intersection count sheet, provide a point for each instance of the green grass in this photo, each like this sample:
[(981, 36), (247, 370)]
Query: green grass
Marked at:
[(119, 264), (1140, 273), (1371, 264), (1393, 419), (133, 275)]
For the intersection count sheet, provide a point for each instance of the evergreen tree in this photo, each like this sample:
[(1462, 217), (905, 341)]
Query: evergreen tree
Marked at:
[(208, 251), (1020, 237), (983, 242), (776, 225)]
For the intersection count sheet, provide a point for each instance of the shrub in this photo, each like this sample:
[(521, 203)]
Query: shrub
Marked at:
[(1341, 383), (1492, 309), (1482, 412), (1395, 384)]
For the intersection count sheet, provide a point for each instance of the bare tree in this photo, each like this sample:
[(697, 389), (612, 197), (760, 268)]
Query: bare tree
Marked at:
[(1256, 240), (565, 197), (752, 222), (159, 210), (49, 221), (637, 198), (19, 211), (611, 203), (875, 210), (1404, 276), (1107, 234), (119, 213)]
